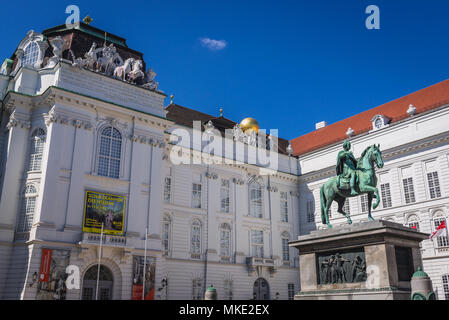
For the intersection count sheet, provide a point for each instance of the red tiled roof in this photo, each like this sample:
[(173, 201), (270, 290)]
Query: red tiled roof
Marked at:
[(423, 100)]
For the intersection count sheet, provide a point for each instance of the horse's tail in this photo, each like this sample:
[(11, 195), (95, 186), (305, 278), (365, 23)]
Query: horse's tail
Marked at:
[(323, 205)]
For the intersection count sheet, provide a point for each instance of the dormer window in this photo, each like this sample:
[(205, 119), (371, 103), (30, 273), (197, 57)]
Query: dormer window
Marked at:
[(31, 54), (379, 122)]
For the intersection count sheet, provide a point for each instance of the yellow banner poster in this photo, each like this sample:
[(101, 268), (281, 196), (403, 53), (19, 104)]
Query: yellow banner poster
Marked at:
[(104, 208)]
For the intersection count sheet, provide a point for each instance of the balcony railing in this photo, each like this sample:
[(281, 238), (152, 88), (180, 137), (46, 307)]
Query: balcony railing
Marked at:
[(108, 240), (257, 261)]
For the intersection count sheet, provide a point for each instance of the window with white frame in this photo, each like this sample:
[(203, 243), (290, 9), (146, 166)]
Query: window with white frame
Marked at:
[(291, 291), (224, 196), (225, 240), (346, 207), (364, 202), (445, 279), (166, 228), (433, 181), (195, 240), (257, 243), (255, 199), (227, 294), (284, 206), (434, 185), (109, 152), (442, 240), (196, 195), (285, 237), (407, 183), (311, 211), (167, 189), (413, 222), (37, 149), (385, 195), (30, 54), (28, 208), (197, 289)]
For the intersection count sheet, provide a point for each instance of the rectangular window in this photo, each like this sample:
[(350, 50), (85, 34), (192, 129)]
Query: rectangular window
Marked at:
[(196, 195), (446, 286), (291, 291), (167, 189), (285, 250), (166, 236), (434, 185), (442, 241), (346, 207), (257, 243), (386, 195), (224, 196), (364, 202), (197, 289), (228, 289), (414, 225), (310, 211), (409, 191), (225, 242), (284, 207)]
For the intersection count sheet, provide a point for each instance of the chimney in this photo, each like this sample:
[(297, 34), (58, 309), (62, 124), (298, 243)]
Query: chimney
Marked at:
[(320, 125)]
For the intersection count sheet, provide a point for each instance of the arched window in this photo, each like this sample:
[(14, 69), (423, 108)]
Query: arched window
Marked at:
[(413, 222), (195, 239), (30, 54), (109, 153), (225, 240), (441, 240), (166, 227), (28, 208), (255, 199), (285, 249), (37, 148)]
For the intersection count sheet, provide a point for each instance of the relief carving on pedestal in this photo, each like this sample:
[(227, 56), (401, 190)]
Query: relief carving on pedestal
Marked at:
[(344, 267)]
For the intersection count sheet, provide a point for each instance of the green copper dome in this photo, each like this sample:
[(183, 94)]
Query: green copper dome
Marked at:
[(420, 274)]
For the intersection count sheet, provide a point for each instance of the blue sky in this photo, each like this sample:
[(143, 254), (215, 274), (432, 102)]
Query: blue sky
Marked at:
[(289, 64)]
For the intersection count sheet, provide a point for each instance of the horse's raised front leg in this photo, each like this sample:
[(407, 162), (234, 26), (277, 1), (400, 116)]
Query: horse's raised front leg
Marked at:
[(370, 200), (369, 189)]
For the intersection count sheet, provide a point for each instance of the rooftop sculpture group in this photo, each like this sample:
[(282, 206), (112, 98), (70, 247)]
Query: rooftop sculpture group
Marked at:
[(108, 61)]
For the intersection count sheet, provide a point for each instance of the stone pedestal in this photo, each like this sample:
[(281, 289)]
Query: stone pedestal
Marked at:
[(364, 261)]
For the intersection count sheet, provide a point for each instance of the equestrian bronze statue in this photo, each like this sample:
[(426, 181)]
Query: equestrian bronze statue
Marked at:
[(353, 178)]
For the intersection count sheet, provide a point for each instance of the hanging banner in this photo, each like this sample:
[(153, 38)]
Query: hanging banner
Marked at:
[(44, 274), (104, 208), (52, 277), (150, 273)]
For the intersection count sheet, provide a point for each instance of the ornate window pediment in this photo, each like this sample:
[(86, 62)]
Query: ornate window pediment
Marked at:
[(31, 50), (380, 121)]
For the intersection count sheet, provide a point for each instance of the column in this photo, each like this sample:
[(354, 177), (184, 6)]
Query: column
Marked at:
[(18, 126)]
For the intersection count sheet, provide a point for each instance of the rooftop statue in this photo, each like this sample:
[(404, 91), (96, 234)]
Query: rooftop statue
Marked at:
[(353, 178)]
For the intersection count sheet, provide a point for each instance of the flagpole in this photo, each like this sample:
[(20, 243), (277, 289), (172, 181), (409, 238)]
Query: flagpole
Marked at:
[(144, 264), (99, 261)]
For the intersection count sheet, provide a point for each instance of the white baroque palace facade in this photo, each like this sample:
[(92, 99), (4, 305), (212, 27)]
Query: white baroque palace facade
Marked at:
[(84, 129), (86, 142)]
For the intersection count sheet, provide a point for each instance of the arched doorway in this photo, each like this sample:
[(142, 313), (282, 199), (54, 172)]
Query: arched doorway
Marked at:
[(261, 290), (105, 284)]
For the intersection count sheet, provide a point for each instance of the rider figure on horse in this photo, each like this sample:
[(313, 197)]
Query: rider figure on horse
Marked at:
[(347, 166)]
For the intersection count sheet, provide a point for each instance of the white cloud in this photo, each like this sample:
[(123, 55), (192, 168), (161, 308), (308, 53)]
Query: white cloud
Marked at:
[(213, 44)]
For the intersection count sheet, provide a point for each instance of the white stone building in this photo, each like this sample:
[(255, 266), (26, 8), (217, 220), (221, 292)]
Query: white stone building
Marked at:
[(414, 183), (85, 138)]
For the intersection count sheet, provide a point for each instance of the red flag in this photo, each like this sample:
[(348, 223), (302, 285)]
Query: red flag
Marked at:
[(440, 231)]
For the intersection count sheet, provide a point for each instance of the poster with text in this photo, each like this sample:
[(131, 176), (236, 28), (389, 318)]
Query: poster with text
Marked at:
[(51, 284), (104, 208), (138, 278)]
